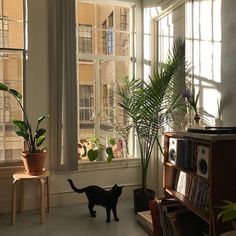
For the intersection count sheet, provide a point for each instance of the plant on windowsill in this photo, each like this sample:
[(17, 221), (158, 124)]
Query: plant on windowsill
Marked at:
[(228, 213), (101, 151), (151, 106), (34, 156)]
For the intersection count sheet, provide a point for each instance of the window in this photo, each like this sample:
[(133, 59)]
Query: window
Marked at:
[(110, 34), (4, 30), (203, 50), (85, 38), (86, 103), (12, 59), (104, 37), (124, 19), (99, 71)]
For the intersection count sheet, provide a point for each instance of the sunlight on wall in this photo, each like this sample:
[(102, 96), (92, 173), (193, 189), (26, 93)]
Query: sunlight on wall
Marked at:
[(203, 50), (147, 17)]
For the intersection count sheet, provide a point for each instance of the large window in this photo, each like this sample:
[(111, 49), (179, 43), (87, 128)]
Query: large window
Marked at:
[(203, 50), (100, 69), (12, 58)]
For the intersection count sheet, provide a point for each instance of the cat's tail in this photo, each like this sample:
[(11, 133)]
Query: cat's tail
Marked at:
[(75, 188)]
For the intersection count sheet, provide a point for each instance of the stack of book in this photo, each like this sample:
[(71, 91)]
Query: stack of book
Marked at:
[(193, 188), (176, 220)]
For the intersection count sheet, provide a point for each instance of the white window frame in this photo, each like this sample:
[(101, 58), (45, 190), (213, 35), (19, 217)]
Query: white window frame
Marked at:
[(96, 59), (16, 163)]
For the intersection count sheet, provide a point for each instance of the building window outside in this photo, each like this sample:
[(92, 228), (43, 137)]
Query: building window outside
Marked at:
[(110, 34), (104, 37), (12, 61), (99, 72), (4, 31), (85, 38), (86, 103), (123, 19)]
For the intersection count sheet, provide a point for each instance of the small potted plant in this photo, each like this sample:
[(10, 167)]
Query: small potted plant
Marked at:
[(228, 213), (34, 155), (101, 151)]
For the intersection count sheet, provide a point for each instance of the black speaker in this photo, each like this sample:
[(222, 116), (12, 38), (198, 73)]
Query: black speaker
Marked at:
[(203, 161), (176, 150)]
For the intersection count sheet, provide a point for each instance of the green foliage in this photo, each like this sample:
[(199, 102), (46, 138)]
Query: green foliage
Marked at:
[(92, 154), (23, 127), (152, 104), (228, 211), (97, 147)]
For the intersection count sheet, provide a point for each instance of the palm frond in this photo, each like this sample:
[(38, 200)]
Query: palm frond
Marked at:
[(152, 104)]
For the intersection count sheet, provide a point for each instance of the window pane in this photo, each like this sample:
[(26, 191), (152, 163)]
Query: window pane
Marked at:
[(122, 44), (107, 85), (85, 38), (82, 16), (15, 35), (122, 18), (13, 9), (99, 72), (104, 12), (11, 73), (86, 104)]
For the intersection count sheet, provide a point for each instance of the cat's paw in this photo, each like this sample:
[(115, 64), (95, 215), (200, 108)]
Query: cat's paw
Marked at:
[(117, 219), (93, 214), (108, 221)]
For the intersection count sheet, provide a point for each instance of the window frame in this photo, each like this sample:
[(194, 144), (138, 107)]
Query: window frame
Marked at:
[(106, 55), (8, 167)]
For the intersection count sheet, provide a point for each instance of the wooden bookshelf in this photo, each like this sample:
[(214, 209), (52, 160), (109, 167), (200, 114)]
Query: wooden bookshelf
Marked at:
[(213, 168)]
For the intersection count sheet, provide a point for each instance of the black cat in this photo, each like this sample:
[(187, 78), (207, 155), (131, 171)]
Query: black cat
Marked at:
[(99, 196)]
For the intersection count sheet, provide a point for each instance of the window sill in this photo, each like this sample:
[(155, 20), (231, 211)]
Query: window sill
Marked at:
[(104, 165), (8, 171)]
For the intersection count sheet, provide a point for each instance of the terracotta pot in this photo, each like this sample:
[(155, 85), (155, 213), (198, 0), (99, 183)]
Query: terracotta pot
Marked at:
[(34, 162), (142, 198)]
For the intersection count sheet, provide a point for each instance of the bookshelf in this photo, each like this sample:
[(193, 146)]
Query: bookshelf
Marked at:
[(200, 173)]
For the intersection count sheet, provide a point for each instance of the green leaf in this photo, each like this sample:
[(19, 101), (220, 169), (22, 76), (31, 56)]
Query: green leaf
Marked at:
[(21, 125), (16, 94), (109, 159), (23, 134), (109, 151), (39, 132), (3, 87), (92, 154), (40, 140), (112, 141)]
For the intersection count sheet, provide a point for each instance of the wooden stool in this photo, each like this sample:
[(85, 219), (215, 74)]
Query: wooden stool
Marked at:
[(43, 179)]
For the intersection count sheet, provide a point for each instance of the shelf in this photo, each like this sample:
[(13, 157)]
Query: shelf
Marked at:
[(189, 172), (188, 204)]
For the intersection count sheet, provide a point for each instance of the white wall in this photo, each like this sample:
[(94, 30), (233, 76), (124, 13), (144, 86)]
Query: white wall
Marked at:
[(228, 60)]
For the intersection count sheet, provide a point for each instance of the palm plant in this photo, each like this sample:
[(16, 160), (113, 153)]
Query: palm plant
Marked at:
[(152, 104)]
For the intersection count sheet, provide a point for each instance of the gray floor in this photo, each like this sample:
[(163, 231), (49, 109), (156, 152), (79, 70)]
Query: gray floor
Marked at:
[(74, 220)]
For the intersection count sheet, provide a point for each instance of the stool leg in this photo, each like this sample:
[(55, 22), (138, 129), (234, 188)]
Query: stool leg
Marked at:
[(13, 203), (48, 195), (42, 200), (21, 195)]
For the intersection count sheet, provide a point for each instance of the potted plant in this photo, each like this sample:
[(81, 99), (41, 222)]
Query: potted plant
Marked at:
[(34, 155), (101, 151), (151, 105), (228, 213)]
